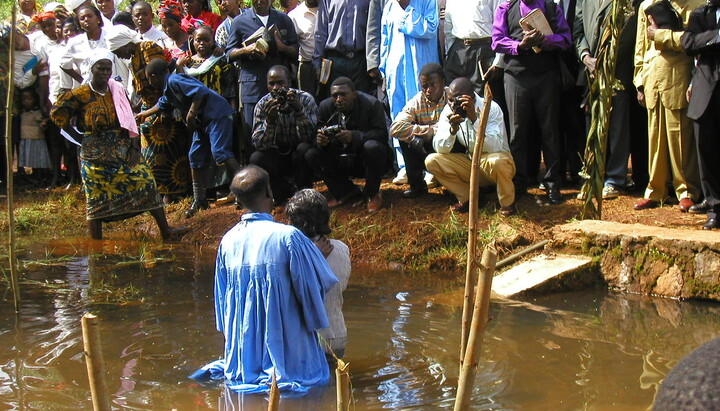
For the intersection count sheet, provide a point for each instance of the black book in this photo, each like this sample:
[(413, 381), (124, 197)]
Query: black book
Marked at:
[(665, 15)]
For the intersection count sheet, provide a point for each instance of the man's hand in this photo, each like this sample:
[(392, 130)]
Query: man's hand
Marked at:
[(322, 139), (468, 104), (652, 28), (641, 98), (344, 136), (688, 93), (324, 245), (374, 74), (531, 39), (424, 132), (590, 63), (39, 67), (253, 53), (294, 101), (271, 111)]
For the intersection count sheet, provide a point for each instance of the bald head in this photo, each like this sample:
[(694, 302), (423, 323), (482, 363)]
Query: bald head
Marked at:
[(461, 86), (250, 186)]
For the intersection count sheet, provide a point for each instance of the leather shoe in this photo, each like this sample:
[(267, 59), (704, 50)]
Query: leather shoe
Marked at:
[(375, 203), (554, 196), (507, 211), (461, 208), (711, 223), (414, 192), (645, 203), (685, 205), (699, 208), (195, 207), (348, 198)]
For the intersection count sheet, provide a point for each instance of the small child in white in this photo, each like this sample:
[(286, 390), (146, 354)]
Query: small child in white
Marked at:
[(33, 152)]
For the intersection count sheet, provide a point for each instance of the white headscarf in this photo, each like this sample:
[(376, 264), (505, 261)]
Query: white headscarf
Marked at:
[(73, 4), (97, 55), (51, 6), (119, 35)]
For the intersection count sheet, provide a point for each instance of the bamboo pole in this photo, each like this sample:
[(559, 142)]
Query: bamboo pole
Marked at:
[(274, 404), (512, 257), (477, 328), (342, 377), (95, 363), (471, 269), (8, 159)]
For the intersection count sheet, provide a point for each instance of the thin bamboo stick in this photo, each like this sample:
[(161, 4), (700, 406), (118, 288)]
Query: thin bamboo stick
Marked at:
[(477, 328), (342, 377), (512, 257), (274, 395), (9, 157), (95, 362), (471, 269)]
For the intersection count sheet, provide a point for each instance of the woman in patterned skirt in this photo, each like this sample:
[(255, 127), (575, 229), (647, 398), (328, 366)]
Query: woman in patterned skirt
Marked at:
[(165, 141), (117, 181)]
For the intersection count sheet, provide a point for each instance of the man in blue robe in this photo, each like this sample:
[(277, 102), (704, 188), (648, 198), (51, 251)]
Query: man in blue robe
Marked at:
[(270, 282)]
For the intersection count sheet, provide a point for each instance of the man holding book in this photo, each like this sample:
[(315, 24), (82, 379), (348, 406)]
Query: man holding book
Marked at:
[(532, 85)]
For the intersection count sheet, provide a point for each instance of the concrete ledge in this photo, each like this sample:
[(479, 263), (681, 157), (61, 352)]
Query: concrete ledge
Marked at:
[(648, 260), (546, 273)]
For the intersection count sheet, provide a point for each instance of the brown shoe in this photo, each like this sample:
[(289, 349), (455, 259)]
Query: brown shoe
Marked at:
[(461, 207), (348, 198), (685, 205), (645, 203), (375, 203), (507, 211)]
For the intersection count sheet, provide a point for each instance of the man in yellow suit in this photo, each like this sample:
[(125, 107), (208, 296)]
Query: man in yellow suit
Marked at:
[(662, 76)]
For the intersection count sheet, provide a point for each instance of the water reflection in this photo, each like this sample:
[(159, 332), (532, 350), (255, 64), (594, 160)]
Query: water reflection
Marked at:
[(589, 350)]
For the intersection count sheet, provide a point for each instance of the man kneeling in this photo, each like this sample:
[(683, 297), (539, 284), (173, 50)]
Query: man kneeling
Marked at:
[(454, 143), (270, 281)]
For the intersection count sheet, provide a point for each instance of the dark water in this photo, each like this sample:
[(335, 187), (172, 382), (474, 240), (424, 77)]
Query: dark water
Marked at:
[(585, 350)]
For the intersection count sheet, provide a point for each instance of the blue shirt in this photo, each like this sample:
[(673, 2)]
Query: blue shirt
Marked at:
[(341, 26), (253, 73), (182, 89), (270, 282)]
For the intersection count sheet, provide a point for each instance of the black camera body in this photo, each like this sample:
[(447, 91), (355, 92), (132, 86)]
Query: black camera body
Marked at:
[(457, 108), (331, 131), (280, 95)]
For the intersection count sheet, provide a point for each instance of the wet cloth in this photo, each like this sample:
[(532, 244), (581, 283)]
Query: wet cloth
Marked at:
[(114, 190), (270, 280), (164, 140), (335, 335)]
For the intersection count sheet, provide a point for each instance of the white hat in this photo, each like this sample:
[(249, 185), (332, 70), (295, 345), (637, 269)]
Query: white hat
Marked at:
[(51, 6), (119, 35)]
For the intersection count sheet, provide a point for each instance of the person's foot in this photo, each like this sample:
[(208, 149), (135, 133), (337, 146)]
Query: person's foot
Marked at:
[(430, 180), (375, 203), (554, 196), (195, 207), (507, 211), (645, 203), (711, 224), (401, 177), (700, 208), (461, 208), (175, 233), (415, 192), (609, 192), (685, 204), (352, 197)]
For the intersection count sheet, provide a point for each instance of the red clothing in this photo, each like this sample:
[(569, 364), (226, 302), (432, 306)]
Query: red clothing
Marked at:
[(209, 18)]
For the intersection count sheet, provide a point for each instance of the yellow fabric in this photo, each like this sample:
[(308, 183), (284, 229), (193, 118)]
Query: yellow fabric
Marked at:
[(453, 171), (661, 66), (672, 154)]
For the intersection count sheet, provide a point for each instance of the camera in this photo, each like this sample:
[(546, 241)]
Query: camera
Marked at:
[(280, 95), (457, 108), (331, 131), (417, 144)]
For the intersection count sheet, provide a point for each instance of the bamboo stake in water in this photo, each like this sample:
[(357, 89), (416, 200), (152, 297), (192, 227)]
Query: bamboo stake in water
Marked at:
[(9, 160), (342, 377), (477, 328), (274, 395), (95, 362), (470, 271)]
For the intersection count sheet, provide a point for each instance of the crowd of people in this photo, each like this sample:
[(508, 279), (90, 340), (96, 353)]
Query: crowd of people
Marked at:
[(332, 90)]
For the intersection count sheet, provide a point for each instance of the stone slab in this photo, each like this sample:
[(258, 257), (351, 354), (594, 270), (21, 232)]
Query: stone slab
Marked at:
[(710, 239), (536, 273)]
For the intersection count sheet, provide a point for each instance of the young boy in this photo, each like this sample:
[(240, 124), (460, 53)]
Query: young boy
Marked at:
[(207, 114)]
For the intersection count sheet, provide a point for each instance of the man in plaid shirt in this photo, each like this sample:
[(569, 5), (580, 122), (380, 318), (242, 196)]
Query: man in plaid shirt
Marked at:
[(285, 125)]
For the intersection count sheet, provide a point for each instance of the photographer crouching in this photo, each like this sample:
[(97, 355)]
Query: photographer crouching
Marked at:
[(283, 129), (352, 142)]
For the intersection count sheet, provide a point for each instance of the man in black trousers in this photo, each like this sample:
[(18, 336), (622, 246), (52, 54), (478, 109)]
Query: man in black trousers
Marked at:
[(701, 40)]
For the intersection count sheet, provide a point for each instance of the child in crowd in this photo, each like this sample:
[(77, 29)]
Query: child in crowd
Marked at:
[(33, 152), (308, 211)]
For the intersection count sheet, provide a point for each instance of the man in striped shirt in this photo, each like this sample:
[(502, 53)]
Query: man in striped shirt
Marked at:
[(416, 124)]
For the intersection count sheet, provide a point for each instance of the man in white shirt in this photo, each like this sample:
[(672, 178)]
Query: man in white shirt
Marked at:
[(142, 15), (468, 32), (454, 143), (304, 17)]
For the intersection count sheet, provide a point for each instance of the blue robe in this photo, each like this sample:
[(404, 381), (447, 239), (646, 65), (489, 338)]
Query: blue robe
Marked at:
[(408, 41), (270, 282)]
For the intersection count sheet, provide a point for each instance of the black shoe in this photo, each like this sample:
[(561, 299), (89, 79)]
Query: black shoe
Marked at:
[(700, 208), (554, 196), (711, 224), (195, 207), (415, 192)]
